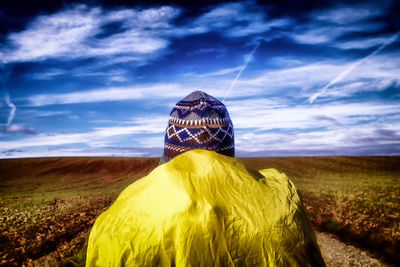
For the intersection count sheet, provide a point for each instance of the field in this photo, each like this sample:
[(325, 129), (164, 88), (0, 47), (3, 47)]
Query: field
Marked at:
[(48, 205), (356, 198)]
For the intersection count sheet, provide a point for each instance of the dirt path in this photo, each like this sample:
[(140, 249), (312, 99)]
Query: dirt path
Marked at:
[(337, 253)]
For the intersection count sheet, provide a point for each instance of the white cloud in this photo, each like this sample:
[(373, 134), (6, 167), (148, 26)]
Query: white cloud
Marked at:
[(100, 136), (93, 70), (353, 87), (221, 72), (68, 152), (327, 34), (49, 74), (376, 74), (362, 43), (266, 120), (53, 35), (357, 140), (18, 129), (380, 72), (236, 20), (326, 26), (105, 95), (290, 129), (164, 93), (219, 50), (258, 27), (72, 33), (264, 114), (153, 142), (347, 15), (221, 17), (352, 75), (298, 76), (147, 131), (81, 31)]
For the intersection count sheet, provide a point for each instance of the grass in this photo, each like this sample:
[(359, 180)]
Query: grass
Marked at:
[(48, 205), (356, 198)]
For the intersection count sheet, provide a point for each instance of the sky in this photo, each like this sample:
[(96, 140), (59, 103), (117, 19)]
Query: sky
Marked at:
[(100, 78)]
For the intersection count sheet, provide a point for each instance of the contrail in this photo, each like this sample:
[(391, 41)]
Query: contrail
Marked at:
[(12, 107), (242, 69), (348, 70), (3, 80)]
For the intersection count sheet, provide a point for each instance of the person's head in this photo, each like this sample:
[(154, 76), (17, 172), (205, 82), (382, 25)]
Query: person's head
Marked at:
[(198, 121)]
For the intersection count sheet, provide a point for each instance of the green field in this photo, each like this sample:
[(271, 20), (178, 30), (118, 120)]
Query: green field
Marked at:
[(48, 205)]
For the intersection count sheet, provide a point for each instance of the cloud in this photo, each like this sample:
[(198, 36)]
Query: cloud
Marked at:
[(49, 74), (263, 126), (259, 115), (235, 20), (76, 33), (100, 70), (329, 25), (327, 118), (377, 74), (268, 105), (11, 152), (349, 69), (299, 76), (15, 129), (380, 73), (211, 50), (364, 43), (97, 142), (131, 151), (328, 34), (130, 34), (158, 91), (357, 140), (351, 88), (221, 72), (346, 15), (87, 152), (99, 136)]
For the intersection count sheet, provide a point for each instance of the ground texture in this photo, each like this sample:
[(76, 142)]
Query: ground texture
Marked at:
[(48, 205), (337, 253)]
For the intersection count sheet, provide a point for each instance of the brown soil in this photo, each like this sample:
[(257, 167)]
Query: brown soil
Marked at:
[(337, 253), (62, 228), (58, 234), (56, 239), (45, 174)]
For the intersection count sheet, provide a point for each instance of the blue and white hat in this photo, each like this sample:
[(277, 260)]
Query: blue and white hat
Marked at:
[(199, 121)]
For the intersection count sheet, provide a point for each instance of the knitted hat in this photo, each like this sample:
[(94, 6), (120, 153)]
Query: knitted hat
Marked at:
[(198, 121)]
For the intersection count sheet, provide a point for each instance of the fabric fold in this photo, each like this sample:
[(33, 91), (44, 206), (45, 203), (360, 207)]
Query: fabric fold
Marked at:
[(205, 209)]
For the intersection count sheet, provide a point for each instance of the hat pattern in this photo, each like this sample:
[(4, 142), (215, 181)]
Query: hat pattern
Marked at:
[(199, 121)]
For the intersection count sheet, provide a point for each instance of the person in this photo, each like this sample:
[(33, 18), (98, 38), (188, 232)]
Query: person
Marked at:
[(202, 207)]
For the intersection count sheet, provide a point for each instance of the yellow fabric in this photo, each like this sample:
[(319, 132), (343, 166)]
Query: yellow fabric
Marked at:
[(205, 209)]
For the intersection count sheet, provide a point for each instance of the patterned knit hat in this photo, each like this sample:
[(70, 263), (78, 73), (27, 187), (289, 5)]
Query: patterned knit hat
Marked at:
[(198, 121)]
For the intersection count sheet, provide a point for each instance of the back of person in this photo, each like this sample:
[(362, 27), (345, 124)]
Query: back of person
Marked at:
[(203, 208)]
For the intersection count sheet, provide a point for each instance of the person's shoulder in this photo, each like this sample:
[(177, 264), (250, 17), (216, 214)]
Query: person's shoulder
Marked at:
[(273, 175), (271, 172), (280, 183)]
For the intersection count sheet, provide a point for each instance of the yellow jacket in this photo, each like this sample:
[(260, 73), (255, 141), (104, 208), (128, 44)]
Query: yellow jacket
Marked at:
[(205, 209)]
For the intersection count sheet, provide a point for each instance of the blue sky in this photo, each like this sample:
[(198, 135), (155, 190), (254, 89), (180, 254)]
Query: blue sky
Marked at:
[(100, 79)]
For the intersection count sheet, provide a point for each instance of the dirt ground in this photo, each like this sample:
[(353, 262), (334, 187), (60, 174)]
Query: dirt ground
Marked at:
[(337, 253), (44, 223)]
